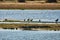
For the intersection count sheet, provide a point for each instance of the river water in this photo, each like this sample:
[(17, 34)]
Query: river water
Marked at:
[(29, 35), (43, 15)]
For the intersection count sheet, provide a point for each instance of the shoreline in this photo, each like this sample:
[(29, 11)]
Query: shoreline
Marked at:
[(29, 30), (31, 26)]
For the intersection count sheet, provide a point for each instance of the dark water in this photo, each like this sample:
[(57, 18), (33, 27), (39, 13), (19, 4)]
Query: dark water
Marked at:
[(29, 35)]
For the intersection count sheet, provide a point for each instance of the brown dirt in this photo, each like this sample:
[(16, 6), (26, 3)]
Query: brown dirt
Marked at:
[(53, 26), (29, 5)]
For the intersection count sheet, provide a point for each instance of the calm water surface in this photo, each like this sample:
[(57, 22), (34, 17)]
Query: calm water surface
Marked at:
[(29, 35), (31, 14)]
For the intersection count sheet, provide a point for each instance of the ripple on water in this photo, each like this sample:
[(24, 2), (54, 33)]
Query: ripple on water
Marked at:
[(29, 35)]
